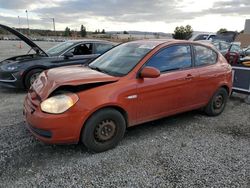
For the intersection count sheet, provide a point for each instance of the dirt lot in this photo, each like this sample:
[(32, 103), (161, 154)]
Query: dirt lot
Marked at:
[(12, 48), (187, 150)]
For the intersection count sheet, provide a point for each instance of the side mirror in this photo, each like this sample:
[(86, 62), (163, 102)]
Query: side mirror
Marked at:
[(68, 55), (149, 72)]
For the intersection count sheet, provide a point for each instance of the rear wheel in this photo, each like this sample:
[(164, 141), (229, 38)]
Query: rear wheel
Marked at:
[(31, 76), (103, 130), (217, 103)]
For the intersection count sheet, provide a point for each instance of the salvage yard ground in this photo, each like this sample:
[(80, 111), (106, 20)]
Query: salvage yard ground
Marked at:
[(186, 150)]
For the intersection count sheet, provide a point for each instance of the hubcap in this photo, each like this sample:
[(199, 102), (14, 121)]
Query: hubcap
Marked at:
[(105, 130), (34, 77), (218, 102)]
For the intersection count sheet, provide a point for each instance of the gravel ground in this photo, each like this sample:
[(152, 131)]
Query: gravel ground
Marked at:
[(187, 150)]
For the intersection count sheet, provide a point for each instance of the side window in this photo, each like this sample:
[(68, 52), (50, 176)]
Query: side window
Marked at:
[(101, 48), (204, 56), (82, 49), (172, 58)]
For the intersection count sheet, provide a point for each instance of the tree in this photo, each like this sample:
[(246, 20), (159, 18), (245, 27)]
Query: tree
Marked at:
[(83, 31), (221, 30), (103, 31), (67, 32), (183, 32), (125, 32)]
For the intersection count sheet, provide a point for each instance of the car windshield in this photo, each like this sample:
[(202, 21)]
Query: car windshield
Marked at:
[(120, 60), (59, 48)]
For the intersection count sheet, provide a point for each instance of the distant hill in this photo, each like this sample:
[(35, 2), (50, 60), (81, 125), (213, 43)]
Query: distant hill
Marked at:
[(140, 33)]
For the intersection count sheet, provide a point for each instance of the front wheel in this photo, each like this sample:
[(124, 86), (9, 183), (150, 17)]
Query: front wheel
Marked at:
[(103, 130), (31, 76), (217, 103)]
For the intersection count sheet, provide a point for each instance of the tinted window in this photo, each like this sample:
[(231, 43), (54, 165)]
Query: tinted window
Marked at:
[(101, 48), (59, 48), (82, 49), (172, 58), (204, 56)]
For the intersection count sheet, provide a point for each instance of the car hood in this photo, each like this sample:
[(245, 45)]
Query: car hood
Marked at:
[(52, 79), (28, 41)]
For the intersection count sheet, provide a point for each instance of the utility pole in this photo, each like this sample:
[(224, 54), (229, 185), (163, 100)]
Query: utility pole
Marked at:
[(54, 25), (28, 22), (20, 44)]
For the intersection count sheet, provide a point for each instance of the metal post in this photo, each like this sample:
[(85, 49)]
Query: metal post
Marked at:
[(20, 43), (54, 25), (28, 22)]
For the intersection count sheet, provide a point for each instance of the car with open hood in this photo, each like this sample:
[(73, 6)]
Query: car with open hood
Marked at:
[(132, 83), (21, 71)]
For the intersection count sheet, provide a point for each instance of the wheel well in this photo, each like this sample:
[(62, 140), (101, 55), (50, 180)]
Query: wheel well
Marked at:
[(27, 71), (119, 109), (226, 88)]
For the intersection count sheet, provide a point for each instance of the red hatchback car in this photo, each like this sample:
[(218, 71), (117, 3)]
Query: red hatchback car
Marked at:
[(133, 83)]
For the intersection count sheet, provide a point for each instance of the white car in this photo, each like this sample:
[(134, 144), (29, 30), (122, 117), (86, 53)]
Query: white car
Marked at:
[(202, 36)]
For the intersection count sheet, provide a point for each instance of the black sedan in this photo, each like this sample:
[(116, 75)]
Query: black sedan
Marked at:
[(21, 71)]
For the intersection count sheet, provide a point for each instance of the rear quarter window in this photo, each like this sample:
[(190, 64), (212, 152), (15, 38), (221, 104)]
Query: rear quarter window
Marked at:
[(204, 56)]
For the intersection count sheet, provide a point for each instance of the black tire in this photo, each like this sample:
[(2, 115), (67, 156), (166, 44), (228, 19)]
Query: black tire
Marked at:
[(217, 103), (28, 80), (103, 130)]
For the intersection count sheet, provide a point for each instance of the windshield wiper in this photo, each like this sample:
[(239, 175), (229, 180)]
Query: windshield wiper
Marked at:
[(95, 68), (104, 71)]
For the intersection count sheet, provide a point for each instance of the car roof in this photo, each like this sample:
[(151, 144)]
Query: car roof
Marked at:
[(89, 40), (157, 42)]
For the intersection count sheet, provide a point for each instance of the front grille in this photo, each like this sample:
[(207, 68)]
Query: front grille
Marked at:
[(6, 76)]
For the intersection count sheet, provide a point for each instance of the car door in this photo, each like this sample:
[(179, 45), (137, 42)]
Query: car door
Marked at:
[(82, 54), (209, 71), (174, 91)]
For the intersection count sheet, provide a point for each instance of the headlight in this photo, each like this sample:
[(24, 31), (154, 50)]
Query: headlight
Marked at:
[(59, 103), (11, 68)]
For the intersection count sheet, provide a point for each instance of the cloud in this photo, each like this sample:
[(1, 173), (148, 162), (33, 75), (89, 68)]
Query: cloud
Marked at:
[(13, 21), (75, 12), (119, 10), (21, 4), (231, 7)]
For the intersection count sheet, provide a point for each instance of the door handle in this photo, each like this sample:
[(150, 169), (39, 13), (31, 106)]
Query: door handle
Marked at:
[(189, 77)]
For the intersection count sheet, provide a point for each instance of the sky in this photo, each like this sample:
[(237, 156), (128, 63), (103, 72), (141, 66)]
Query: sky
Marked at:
[(129, 15)]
